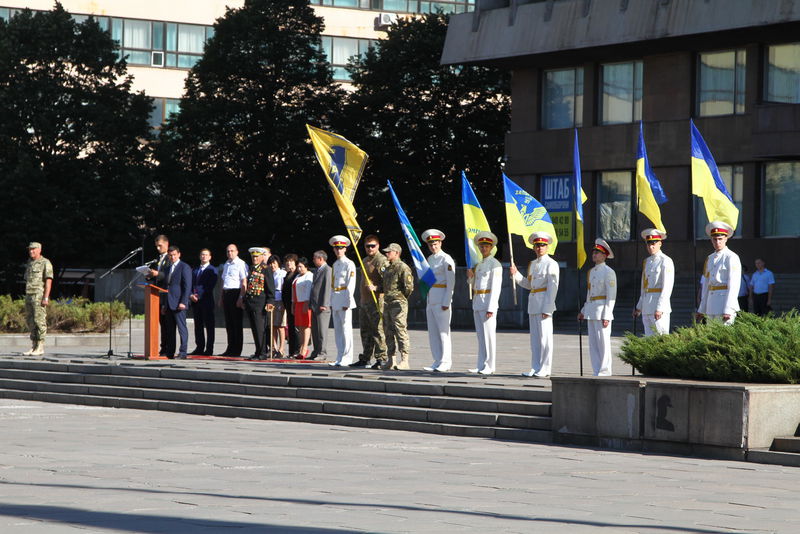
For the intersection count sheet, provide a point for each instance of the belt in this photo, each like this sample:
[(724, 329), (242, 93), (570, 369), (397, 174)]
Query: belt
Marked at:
[(439, 285), (598, 297), (717, 288), (232, 289), (340, 288), (482, 291), (539, 290), (653, 290)]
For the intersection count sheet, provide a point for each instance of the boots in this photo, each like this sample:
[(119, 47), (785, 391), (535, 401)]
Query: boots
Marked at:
[(38, 350), (388, 364), (403, 365), (33, 349)]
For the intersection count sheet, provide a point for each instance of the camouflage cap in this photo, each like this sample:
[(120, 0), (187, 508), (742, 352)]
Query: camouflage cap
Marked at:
[(393, 247), (34, 244)]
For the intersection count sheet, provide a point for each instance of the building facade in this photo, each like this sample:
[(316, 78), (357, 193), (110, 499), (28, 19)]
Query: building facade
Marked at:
[(162, 40), (601, 66)]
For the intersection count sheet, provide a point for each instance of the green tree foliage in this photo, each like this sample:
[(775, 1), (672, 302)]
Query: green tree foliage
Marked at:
[(236, 164), (73, 151), (422, 123), (753, 349)]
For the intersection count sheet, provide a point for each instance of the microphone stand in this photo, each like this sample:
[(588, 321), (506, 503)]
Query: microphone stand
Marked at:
[(127, 257)]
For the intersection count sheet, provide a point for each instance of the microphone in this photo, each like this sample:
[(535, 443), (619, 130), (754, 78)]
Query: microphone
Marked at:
[(134, 251)]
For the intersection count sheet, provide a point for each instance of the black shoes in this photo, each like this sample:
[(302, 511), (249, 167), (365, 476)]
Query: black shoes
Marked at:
[(360, 363)]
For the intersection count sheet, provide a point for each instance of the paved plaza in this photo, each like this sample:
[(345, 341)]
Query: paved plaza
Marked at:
[(66, 469)]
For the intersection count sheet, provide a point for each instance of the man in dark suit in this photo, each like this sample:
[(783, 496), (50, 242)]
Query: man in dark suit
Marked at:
[(204, 280), (320, 303), (158, 277), (179, 287)]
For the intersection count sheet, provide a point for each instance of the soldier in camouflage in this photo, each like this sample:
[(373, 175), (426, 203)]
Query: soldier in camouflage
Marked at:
[(38, 282), (369, 316), (398, 283)]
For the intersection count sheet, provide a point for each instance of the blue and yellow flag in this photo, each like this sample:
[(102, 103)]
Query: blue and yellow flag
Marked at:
[(424, 273), (342, 162), (474, 222), (649, 193), (708, 184), (525, 215), (579, 198)]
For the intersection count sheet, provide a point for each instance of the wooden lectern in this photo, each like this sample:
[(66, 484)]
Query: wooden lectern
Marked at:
[(152, 310)]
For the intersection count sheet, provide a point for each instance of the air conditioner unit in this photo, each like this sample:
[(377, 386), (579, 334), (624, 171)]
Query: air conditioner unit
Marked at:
[(157, 59), (385, 20)]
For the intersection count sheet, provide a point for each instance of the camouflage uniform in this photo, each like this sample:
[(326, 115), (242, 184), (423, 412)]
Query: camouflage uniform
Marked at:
[(36, 273), (398, 283), (369, 319)]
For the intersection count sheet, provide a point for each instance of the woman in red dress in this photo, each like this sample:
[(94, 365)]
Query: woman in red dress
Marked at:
[(301, 292)]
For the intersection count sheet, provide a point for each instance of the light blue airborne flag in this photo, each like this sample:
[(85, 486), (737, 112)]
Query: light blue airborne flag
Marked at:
[(424, 272)]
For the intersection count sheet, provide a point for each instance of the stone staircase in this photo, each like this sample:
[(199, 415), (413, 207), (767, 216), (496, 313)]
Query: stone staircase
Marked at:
[(453, 405), (784, 451)]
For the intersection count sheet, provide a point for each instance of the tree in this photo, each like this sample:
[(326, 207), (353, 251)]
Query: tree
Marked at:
[(73, 152), (236, 164), (422, 123)]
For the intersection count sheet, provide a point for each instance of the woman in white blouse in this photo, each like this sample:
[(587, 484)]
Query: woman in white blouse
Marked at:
[(301, 293)]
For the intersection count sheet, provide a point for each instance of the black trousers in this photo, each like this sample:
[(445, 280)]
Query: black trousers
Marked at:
[(204, 326), (259, 319), (234, 319), (760, 304), (743, 305)]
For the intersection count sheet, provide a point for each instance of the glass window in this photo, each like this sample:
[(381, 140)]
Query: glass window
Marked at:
[(157, 115), (783, 74), (720, 83), (4, 13), (158, 36), (172, 37), (191, 38), (138, 57), (781, 198), (614, 205), (171, 107), (732, 176), (339, 50), (186, 61), (137, 34), (562, 98), (209, 32), (621, 99), (116, 30), (172, 60)]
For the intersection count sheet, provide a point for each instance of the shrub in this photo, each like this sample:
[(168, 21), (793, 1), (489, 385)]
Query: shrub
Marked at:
[(753, 349), (68, 315)]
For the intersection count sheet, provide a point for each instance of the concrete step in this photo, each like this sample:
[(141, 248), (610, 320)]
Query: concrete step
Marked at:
[(382, 411), (530, 408), (786, 444), (517, 434), (773, 457)]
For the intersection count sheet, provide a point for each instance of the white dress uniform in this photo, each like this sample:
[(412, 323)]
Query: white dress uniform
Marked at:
[(343, 287), (542, 280), (658, 279), (441, 294), (486, 284), (723, 276), (601, 296)]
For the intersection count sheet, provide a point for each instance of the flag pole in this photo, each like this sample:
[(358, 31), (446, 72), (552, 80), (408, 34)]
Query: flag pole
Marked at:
[(367, 280), (580, 324), (638, 287), (513, 281)]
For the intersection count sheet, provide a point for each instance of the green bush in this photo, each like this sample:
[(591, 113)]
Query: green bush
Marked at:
[(753, 349), (67, 315)]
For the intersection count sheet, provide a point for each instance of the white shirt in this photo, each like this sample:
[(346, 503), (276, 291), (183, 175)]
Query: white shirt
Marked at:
[(486, 285), (302, 287), (542, 280), (233, 273), (343, 284), (601, 294), (723, 273), (658, 279), (278, 277), (444, 269)]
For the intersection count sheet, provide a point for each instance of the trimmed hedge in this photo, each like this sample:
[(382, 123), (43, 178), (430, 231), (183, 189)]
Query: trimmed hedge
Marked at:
[(753, 349), (68, 315)]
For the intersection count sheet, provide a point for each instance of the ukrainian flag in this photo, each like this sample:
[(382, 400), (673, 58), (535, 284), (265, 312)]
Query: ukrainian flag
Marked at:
[(649, 193), (474, 222), (525, 214), (342, 162), (578, 190), (708, 184), (424, 273)]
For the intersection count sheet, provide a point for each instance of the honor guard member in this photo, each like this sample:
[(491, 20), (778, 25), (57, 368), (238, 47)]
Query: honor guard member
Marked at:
[(598, 310), (370, 323), (343, 289), (257, 302), (486, 281), (542, 280), (398, 283), (658, 278), (723, 274), (38, 282), (440, 297)]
